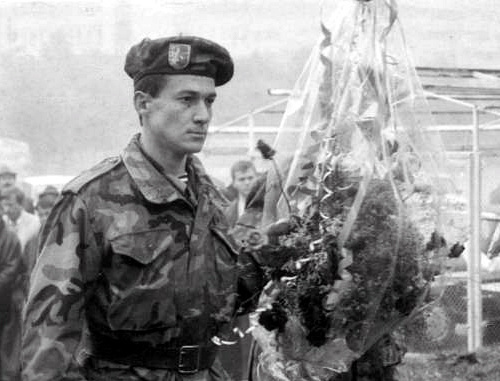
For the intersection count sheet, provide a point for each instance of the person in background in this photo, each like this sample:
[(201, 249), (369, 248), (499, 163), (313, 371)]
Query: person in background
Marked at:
[(8, 178), (10, 263), (46, 200), (137, 278), (243, 176), (250, 221), (26, 225)]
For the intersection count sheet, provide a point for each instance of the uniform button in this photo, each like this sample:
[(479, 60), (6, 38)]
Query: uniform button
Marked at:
[(150, 245)]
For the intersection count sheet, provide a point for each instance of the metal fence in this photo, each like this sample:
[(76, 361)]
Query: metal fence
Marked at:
[(465, 313)]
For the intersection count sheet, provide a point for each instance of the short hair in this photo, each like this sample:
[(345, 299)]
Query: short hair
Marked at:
[(45, 203), (242, 166), (49, 190), (151, 84), (16, 192), (6, 170)]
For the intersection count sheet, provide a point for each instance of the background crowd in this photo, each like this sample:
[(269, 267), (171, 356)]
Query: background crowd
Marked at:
[(21, 221)]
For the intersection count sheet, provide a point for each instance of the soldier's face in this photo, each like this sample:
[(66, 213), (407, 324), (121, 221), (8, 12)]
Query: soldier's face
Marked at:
[(178, 118)]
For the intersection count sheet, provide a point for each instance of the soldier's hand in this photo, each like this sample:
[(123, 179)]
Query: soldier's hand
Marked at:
[(279, 228)]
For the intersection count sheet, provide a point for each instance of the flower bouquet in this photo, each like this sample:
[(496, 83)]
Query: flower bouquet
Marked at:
[(357, 180)]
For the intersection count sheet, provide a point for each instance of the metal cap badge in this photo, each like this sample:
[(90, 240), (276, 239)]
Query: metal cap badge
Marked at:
[(179, 55)]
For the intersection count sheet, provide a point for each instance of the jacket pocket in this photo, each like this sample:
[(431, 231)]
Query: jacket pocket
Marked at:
[(141, 289), (143, 247)]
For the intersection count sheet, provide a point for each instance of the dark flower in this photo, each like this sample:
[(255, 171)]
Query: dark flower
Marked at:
[(456, 250), (275, 318), (265, 149), (436, 241)]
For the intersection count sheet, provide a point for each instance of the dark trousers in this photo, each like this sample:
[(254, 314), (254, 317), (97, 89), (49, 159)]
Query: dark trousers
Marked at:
[(10, 340)]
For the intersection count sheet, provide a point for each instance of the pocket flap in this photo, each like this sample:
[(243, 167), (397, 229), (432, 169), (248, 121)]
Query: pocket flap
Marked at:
[(144, 247)]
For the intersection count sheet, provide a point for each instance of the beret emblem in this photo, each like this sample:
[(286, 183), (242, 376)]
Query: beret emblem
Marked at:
[(179, 55)]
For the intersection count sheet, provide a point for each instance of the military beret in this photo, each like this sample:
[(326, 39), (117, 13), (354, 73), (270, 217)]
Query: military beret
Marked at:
[(179, 55)]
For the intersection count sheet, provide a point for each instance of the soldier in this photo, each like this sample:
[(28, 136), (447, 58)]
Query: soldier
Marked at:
[(137, 278)]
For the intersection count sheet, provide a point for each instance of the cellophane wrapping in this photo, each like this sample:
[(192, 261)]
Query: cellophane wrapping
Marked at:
[(361, 173)]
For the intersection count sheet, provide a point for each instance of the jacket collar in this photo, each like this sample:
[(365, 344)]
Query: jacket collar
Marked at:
[(156, 187)]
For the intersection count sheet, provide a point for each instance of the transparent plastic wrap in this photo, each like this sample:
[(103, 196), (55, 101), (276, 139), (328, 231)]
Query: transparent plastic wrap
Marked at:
[(361, 179)]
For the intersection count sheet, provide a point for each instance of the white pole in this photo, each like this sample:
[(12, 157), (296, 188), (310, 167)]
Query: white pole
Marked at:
[(474, 308)]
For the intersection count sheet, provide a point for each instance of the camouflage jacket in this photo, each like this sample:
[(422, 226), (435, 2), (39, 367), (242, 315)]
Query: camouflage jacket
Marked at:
[(128, 253)]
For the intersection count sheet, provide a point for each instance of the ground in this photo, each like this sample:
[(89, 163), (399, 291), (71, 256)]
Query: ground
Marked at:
[(451, 366)]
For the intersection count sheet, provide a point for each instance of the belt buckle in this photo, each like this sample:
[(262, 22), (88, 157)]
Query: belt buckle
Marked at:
[(189, 359)]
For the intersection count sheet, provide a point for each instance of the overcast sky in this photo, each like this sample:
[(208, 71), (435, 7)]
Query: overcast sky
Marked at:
[(461, 33)]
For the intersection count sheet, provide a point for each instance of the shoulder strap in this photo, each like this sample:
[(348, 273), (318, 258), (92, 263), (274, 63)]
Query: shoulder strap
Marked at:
[(75, 185)]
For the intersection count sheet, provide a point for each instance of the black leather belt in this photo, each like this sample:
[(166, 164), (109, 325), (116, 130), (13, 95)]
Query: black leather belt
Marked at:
[(186, 359)]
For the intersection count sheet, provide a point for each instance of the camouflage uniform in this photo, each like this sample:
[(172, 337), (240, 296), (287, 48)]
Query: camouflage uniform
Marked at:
[(129, 261)]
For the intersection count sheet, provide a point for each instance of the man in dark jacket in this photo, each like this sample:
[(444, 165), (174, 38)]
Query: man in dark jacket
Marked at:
[(10, 260), (243, 175)]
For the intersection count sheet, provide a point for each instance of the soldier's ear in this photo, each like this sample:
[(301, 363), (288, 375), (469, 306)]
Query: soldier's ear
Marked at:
[(142, 102)]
